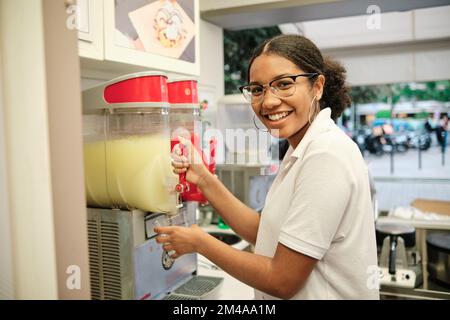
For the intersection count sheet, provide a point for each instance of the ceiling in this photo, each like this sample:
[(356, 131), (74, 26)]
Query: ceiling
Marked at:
[(238, 14)]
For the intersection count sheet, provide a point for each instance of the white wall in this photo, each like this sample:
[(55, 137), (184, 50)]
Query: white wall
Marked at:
[(27, 149), (353, 31), (396, 63), (41, 158), (62, 73), (211, 81), (212, 57), (6, 257)]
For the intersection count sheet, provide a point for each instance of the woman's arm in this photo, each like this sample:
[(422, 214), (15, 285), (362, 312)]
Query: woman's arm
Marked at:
[(242, 219), (281, 276)]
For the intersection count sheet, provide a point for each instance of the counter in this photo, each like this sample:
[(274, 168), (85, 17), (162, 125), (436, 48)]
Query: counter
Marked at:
[(231, 288)]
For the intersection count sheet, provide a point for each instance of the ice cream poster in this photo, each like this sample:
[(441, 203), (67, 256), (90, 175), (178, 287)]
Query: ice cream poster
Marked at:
[(163, 27)]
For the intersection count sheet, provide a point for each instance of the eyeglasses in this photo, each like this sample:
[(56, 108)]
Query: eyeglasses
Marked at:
[(282, 87)]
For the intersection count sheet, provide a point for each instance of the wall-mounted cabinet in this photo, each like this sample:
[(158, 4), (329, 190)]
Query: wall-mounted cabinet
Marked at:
[(90, 29), (152, 34)]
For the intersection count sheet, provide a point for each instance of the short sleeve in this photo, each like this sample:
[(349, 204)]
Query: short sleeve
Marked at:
[(322, 192)]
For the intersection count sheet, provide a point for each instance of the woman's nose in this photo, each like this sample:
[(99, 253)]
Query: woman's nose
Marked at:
[(270, 100)]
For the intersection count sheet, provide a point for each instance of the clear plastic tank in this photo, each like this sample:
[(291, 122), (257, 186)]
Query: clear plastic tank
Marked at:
[(185, 121), (185, 118), (127, 145)]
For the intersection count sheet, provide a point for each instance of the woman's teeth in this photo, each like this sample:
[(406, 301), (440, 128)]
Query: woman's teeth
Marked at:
[(277, 116)]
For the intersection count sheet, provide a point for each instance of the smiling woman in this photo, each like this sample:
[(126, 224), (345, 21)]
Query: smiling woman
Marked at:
[(298, 73), (315, 238)]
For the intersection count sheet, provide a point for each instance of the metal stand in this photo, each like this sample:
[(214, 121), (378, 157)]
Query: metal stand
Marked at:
[(420, 158), (443, 156), (392, 161)]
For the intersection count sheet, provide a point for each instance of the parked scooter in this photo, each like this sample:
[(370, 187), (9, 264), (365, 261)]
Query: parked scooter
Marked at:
[(400, 142), (420, 140), (381, 140), (379, 145)]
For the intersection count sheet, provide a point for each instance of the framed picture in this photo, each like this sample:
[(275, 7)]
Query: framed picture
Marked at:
[(158, 34)]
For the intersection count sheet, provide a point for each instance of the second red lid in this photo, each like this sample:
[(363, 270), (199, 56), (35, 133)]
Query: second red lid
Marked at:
[(183, 91)]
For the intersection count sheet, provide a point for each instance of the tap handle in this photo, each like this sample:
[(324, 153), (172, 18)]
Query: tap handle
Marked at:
[(212, 155), (182, 185)]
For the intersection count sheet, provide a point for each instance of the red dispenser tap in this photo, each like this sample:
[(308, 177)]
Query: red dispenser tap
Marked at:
[(183, 185), (189, 191)]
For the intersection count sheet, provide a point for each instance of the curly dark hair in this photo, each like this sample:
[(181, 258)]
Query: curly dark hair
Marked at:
[(304, 53)]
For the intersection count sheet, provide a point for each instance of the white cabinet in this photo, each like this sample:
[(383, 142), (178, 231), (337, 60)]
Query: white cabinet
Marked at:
[(118, 35), (158, 34), (90, 28)]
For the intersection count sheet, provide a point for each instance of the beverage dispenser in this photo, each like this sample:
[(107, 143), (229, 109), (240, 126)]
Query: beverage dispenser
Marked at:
[(126, 145), (185, 121), (131, 188)]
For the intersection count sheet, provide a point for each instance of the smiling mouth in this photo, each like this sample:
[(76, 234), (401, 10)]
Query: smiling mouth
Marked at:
[(277, 116)]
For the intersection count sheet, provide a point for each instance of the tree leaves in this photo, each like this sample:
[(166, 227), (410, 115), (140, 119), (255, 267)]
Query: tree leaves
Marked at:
[(238, 49)]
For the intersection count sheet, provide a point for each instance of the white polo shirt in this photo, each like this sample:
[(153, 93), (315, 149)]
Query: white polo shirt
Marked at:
[(320, 205)]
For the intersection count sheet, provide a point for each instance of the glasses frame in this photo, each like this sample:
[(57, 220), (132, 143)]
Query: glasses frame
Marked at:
[(308, 75)]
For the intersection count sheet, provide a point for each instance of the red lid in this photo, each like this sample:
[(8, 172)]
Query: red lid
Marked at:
[(144, 88), (183, 91)]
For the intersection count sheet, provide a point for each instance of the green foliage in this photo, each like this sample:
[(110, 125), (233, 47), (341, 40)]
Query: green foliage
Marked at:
[(421, 115), (238, 48), (433, 90), (365, 94), (383, 114)]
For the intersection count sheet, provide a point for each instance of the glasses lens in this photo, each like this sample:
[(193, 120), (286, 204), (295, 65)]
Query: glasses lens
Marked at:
[(253, 93), (283, 87)]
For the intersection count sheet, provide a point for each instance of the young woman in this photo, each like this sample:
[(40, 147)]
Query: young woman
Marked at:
[(315, 238)]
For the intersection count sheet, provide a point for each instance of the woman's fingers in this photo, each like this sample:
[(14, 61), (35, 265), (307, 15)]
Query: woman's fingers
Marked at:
[(180, 164), (179, 161), (177, 165), (163, 239), (168, 247), (162, 230), (178, 171), (184, 149), (178, 158)]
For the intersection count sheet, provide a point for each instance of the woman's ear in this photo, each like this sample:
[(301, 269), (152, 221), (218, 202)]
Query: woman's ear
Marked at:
[(319, 85)]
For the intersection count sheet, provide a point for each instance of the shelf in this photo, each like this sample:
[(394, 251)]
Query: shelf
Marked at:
[(435, 291)]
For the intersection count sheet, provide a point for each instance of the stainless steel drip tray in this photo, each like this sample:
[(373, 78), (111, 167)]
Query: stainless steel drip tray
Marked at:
[(197, 288)]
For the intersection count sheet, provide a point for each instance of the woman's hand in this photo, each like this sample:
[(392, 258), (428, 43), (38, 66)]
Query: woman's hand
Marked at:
[(189, 161), (180, 240)]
